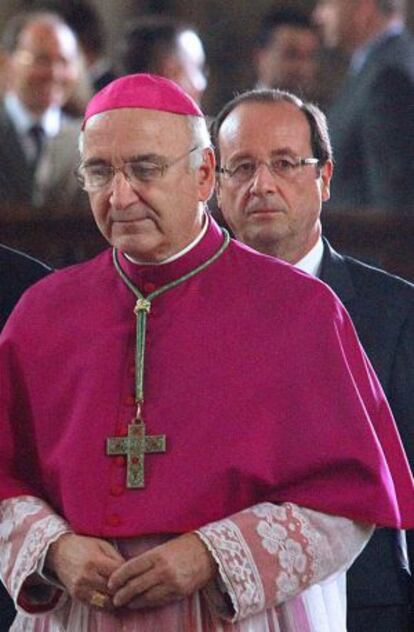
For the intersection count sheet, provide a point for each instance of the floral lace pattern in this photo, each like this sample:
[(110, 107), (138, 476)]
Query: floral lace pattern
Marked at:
[(12, 514), (269, 554), (270, 558), (237, 566), (28, 526), (283, 534)]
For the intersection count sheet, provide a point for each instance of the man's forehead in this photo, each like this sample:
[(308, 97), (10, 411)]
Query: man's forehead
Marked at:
[(287, 33), (143, 129), (263, 121), (43, 33)]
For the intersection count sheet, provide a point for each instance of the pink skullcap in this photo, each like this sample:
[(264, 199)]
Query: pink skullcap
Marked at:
[(150, 92)]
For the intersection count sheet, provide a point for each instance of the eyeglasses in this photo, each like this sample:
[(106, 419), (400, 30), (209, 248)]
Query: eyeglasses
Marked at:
[(96, 177), (287, 168)]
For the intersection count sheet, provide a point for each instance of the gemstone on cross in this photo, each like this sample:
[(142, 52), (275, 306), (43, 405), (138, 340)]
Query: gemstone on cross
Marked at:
[(134, 447)]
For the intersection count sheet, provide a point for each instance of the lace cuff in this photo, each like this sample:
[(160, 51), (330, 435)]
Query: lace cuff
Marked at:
[(269, 553), (28, 527)]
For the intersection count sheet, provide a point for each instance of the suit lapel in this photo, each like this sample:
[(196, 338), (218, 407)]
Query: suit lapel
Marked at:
[(19, 172), (334, 272)]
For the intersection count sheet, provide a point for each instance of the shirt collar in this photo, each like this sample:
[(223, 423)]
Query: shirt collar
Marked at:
[(179, 254), (312, 261), (23, 120)]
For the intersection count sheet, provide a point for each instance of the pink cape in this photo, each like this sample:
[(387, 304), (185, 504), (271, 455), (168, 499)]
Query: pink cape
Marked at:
[(253, 372)]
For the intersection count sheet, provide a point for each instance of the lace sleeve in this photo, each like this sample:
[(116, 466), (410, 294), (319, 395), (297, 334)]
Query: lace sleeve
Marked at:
[(269, 553), (27, 527)]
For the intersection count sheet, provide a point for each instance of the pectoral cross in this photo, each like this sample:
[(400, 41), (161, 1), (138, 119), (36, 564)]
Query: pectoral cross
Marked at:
[(134, 447)]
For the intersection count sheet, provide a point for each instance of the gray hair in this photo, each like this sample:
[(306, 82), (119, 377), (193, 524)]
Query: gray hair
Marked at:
[(200, 138)]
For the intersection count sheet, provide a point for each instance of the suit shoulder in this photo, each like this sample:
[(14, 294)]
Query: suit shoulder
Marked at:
[(18, 263), (372, 281), (17, 273)]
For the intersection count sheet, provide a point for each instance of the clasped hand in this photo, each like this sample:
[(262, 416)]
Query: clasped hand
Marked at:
[(164, 574)]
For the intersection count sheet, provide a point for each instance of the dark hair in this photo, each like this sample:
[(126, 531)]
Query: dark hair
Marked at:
[(390, 6), (87, 24), (320, 141), (281, 17), (81, 17), (147, 42)]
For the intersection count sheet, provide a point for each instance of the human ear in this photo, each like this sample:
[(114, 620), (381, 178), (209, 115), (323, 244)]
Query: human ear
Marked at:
[(206, 175)]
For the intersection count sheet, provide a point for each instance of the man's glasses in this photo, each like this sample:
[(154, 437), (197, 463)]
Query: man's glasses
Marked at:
[(287, 167), (97, 177)]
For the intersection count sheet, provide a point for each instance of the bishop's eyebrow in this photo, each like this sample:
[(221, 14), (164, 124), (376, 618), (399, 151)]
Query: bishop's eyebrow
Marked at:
[(95, 162), (155, 158)]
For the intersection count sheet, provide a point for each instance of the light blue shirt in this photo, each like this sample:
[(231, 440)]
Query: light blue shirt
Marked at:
[(362, 53)]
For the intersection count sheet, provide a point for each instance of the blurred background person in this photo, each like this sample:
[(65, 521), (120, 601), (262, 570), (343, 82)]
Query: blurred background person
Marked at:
[(166, 47), (371, 119), (287, 53), (38, 148), (86, 22)]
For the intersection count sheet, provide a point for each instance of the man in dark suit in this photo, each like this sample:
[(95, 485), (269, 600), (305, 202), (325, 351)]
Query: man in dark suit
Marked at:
[(287, 50), (39, 143), (371, 120), (17, 273), (273, 178)]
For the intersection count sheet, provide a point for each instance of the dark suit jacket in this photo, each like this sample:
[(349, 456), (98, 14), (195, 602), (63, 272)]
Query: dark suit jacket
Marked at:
[(17, 272), (372, 131), (57, 186), (382, 309)]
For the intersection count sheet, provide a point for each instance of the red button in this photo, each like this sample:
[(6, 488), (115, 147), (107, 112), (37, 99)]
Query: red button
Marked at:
[(116, 490), (149, 287), (113, 520), (129, 400), (120, 461)]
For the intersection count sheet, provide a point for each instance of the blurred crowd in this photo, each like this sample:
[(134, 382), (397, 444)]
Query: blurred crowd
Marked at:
[(54, 59)]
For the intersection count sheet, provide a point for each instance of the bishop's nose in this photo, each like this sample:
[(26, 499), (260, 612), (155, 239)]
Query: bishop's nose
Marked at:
[(122, 193)]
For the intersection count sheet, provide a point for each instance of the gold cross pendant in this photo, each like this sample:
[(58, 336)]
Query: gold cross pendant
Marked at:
[(134, 447)]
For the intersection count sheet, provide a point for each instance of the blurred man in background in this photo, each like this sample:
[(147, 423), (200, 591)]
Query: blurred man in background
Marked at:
[(38, 149), (287, 52), (371, 120), (162, 46)]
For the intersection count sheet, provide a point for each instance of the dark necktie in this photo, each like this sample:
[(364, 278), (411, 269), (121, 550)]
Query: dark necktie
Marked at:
[(37, 134)]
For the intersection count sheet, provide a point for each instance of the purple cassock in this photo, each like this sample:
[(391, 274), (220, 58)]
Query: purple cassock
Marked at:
[(253, 372)]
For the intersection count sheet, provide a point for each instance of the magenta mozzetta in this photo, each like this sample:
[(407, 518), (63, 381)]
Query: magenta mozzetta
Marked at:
[(291, 394)]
